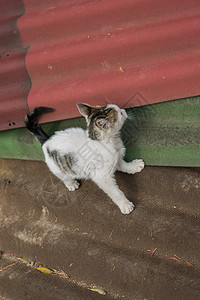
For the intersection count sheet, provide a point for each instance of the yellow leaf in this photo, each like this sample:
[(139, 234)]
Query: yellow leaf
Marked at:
[(44, 270), (121, 69), (100, 291)]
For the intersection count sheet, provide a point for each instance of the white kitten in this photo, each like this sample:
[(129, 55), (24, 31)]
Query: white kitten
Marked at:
[(95, 153)]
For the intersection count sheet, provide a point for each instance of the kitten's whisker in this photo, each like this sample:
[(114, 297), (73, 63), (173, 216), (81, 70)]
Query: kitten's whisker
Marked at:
[(130, 115)]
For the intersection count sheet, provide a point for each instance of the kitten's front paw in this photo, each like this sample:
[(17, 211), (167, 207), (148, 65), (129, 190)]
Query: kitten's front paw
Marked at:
[(126, 207), (138, 165), (72, 186)]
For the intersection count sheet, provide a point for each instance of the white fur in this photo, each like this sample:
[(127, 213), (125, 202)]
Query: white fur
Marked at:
[(95, 160)]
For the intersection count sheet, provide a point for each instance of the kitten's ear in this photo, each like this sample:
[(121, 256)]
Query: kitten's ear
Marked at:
[(84, 109), (103, 123)]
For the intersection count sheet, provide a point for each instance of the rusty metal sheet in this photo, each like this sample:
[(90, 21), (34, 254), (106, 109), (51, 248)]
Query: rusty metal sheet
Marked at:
[(14, 78), (106, 51)]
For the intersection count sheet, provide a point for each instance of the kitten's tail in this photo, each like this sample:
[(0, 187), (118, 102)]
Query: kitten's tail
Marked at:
[(33, 126)]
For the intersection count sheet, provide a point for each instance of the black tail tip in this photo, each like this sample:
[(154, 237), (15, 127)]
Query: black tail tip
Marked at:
[(43, 110), (31, 117)]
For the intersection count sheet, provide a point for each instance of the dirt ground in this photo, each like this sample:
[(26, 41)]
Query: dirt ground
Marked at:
[(83, 241)]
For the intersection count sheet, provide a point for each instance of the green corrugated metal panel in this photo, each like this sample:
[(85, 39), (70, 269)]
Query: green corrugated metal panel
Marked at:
[(166, 134), (19, 143)]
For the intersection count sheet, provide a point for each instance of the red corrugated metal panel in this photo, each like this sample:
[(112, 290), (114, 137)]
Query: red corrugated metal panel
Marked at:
[(109, 51), (14, 79)]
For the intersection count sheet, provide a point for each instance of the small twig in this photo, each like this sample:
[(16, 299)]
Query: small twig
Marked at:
[(173, 258), (9, 266), (111, 233), (154, 251), (189, 264)]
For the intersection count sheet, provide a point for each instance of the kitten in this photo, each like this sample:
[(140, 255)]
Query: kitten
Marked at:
[(95, 153)]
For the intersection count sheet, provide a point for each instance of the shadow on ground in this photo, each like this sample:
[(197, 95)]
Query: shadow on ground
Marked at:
[(85, 242)]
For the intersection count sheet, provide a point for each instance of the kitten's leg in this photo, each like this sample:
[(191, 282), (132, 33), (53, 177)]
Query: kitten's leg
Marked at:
[(110, 187), (69, 181), (132, 167), (72, 184)]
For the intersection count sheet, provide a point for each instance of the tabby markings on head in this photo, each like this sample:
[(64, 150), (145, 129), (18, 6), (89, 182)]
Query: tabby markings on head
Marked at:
[(101, 113)]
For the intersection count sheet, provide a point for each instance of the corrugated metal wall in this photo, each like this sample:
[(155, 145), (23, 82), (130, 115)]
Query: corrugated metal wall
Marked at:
[(14, 78), (127, 52)]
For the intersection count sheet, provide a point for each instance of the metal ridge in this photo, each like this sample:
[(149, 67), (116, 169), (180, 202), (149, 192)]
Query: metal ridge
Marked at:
[(104, 51)]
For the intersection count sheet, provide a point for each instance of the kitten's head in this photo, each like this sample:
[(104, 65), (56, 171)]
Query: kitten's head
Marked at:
[(103, 121)]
